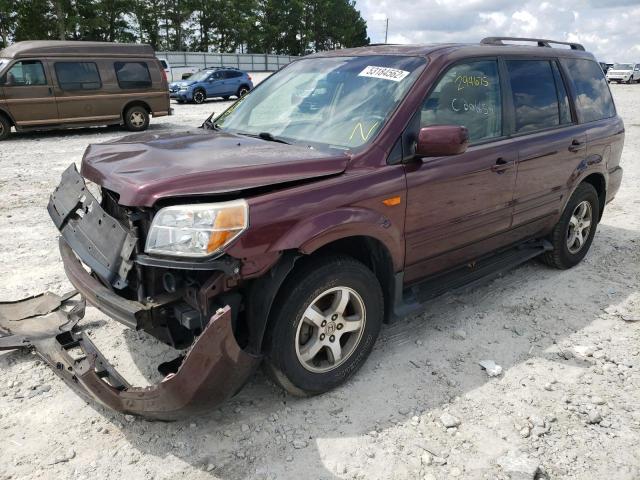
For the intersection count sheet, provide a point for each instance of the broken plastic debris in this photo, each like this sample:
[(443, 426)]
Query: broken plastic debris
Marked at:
[(493, 369)]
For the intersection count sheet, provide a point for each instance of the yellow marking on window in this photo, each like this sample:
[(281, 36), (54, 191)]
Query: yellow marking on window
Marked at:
[(362, 134)]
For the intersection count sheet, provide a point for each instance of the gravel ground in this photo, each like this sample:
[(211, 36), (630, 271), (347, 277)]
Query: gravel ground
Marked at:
[(565, 405)]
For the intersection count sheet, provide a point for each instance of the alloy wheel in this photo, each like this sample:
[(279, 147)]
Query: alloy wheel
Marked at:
[(198, 97), (330, 329), (243, 91), (137, 119), (579, 227)]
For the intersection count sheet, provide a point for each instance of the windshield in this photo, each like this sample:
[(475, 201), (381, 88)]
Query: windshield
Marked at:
[(623, 66), (200, 76), (339, 102)]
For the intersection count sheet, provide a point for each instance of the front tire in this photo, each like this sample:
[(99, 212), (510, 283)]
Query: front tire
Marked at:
[(136, 119), (5, 128), (199, 96), (327, 319), (573, 234)]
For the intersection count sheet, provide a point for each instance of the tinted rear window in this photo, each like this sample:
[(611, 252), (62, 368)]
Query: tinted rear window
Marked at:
[(133, 75), (535, 96), (593, 98), (78, 75)]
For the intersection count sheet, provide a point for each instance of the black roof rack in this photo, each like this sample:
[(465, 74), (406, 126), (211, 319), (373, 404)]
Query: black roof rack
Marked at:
[(540, 41)]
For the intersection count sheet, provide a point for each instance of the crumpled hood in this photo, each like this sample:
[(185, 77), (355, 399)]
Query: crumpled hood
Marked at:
[(146, 167)]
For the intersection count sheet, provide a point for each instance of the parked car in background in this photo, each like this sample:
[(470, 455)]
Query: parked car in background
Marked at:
[(222, 82), (177, 73), (62, 84), (624, 72), (348, 190)]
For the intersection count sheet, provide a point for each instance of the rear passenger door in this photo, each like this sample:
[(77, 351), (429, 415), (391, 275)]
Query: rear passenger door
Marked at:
[(549, 141), (29, 93)]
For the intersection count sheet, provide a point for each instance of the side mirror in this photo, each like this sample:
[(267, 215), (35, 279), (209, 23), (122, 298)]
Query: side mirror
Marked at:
[(442, 140)]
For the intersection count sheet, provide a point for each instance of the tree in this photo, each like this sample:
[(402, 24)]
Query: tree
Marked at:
[(292, 27)]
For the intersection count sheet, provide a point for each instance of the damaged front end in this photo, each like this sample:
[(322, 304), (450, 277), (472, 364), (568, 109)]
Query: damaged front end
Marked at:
[(213, 369), (184, 305)]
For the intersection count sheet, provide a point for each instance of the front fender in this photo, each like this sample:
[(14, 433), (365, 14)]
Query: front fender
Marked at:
[(310, 234)]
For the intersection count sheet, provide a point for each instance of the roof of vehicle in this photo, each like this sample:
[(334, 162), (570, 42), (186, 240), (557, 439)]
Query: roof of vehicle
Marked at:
[(488, 46), (68, 48)]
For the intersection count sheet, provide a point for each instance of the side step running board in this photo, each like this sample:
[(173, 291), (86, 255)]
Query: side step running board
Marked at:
[(413, 298)]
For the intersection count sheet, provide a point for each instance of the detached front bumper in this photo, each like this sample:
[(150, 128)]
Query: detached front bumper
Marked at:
[(213, 370)]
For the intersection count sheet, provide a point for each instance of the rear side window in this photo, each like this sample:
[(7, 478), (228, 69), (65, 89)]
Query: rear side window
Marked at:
[(535, 95), (133, 75), (232, 74), (25, 73), (593, 98), (164, 64), (78, 75), (469, 95)]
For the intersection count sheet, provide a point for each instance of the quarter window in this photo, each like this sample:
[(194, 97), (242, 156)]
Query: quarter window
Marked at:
[(467, 95), (535, 97), (133, 75), (25, 73), (593, 98), (78, 75)]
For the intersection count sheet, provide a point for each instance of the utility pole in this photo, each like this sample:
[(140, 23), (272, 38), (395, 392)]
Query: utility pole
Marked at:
[(386, 30)]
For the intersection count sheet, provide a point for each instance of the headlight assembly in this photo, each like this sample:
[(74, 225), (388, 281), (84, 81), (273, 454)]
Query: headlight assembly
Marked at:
[(199, 230)]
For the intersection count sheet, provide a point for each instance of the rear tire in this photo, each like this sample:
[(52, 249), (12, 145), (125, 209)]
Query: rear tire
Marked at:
[(5, 128), (199, 96), (573, 234), (325, 323), (242, 91), (136, 119)]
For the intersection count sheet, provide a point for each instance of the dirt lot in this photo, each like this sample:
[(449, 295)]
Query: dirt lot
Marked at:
[(565, 406)]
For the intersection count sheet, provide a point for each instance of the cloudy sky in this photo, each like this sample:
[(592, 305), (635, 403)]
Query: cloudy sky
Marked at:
[(608, 28)]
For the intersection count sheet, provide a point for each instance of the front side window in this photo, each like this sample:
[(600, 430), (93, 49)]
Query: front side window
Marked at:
[(133, 75), (467, 95), (78, 75), (25, 73), (332, 102), (535, 97), (593, 98)]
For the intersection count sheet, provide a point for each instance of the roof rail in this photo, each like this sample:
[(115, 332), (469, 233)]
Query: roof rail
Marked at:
[(540, 41)]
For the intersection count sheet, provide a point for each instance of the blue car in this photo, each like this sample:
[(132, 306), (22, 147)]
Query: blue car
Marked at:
[(210, 83)]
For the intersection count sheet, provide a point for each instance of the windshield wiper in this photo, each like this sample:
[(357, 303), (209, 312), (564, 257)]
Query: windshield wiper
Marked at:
[(270, 138)]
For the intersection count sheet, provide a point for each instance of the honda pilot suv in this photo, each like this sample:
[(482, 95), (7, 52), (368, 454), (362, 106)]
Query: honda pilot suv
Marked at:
[(344, 192)]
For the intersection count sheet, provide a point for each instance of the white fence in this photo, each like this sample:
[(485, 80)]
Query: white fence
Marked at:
[(251, 62)]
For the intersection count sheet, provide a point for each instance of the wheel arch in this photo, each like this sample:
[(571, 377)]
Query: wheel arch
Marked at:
[(136, 103), (263, 292), (4, 113), (599, 183)]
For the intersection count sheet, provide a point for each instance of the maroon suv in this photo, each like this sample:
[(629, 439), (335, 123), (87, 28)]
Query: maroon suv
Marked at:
[(344, 192)]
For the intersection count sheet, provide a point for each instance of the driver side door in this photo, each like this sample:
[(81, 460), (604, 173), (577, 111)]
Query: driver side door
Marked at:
[(29, 94), (214, 84), (458, 206)]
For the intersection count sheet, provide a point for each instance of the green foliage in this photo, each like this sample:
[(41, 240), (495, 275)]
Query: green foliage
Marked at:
[(293, 27)]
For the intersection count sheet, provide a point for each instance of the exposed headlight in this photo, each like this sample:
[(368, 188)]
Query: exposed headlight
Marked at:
[(197, 230)]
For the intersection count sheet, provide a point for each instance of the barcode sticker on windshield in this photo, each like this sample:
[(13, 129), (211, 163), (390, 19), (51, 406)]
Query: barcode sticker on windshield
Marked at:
[(383, 72)]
